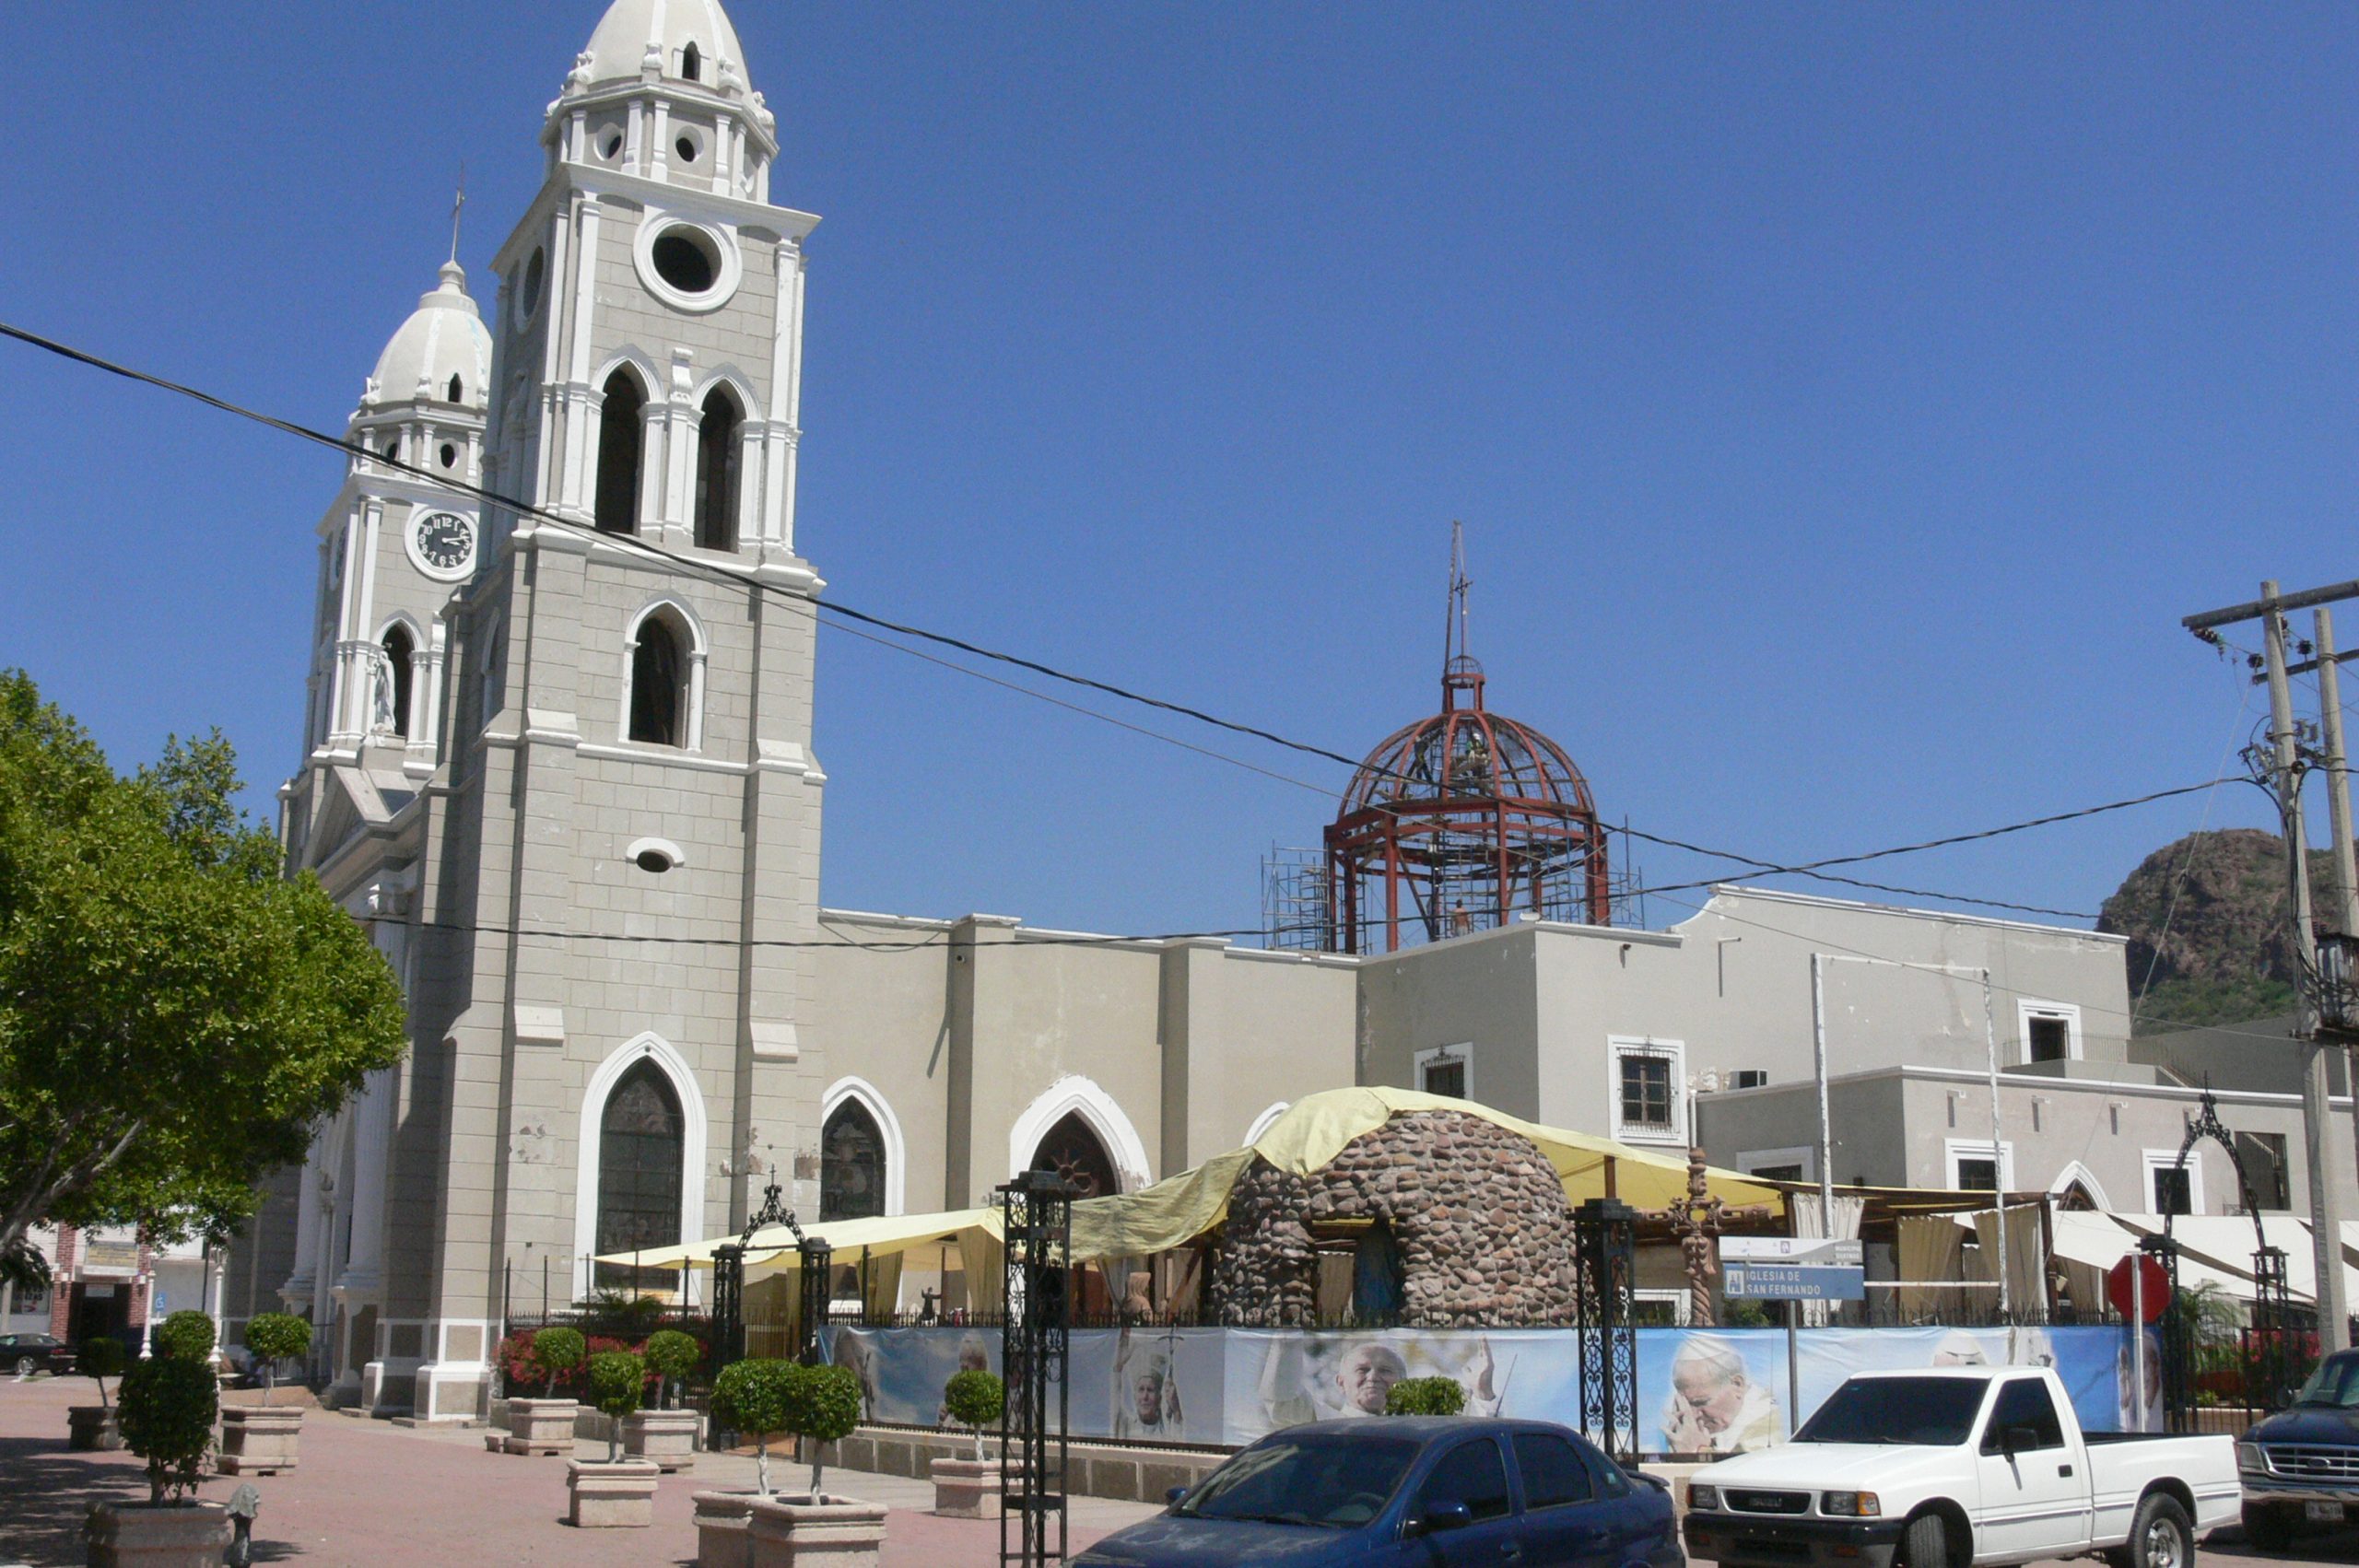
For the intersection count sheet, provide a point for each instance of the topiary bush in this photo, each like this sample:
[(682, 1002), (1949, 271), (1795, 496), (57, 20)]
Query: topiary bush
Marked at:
[(617, 1382), (274, 1337), (167, 1406), (101, 1359), (1426, 1397), (556, 1352), (672, 1355), (974, 1400), (751, 1397), (185, 1336), (821, 1405)]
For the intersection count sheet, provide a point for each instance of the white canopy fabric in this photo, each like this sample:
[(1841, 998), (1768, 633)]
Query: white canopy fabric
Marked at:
[(772, 1250), (2099, 1241)]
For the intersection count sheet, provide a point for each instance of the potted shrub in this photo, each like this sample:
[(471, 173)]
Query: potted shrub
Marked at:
[(1426, 1397), (92, 1427), (185, 1336), (166, 1409), (969, 1489), (545, 1425), (618, 1492), (262, 1439), (749, 1399), (822, 1406), (666, 1434)]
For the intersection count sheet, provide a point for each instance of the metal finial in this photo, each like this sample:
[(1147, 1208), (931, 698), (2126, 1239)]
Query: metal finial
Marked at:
[(458, 206)]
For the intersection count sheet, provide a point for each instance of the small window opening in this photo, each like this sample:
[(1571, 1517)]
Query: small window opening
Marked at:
[(687, 148), (1647, 1105), (1748, 1078), (449, 455), (717, 459), (2174, 1193), (616, 507), (458, 392), (2051, 1039), (393, 448), (1445, 1075), (612, 148), (654, 860), (1977, 1175), (684, 261), (398, 649), (658, 684), (691, 62), (536, 272)]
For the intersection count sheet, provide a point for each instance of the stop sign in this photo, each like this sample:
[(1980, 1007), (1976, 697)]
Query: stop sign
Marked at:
[(2156, 1287)]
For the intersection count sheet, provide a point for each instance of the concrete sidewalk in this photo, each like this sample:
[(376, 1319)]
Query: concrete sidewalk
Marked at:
[(370, 1492)]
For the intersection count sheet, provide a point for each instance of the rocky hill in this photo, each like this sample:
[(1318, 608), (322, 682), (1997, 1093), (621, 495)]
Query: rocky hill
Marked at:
[(2226, 955)]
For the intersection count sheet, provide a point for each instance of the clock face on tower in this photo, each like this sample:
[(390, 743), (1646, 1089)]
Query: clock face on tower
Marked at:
[(442, 544)]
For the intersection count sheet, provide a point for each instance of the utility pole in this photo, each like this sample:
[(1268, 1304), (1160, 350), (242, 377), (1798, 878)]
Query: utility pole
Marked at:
[(2285, 769), (2343, 903)]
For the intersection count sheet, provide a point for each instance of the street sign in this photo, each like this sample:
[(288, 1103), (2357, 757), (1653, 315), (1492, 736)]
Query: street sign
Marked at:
[(1793, 1269), (2154, 1294)]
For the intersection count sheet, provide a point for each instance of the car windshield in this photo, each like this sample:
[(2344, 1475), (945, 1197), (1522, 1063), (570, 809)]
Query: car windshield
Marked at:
[(1933, 1411), (1333, 1482), (2335, 1383)]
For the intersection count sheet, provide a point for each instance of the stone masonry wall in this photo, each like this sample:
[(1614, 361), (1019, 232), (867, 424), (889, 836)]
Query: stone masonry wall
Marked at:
[(1479, 1216)]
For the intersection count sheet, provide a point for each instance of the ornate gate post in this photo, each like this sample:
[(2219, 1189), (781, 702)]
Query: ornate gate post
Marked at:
[(816, 1258), (1036, 1211), (2179, 1381), (1605, 1239), (728, 1304)]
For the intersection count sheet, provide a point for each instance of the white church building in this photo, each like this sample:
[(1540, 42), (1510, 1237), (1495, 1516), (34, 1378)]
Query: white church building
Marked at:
[(568, 784)]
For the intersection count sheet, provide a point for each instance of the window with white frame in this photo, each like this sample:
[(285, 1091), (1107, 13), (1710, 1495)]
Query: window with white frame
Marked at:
[(1448, 1070), (2048, 1031), (1973, 1165), (1649, 1089), (1793, 1163), (2173, 1189)]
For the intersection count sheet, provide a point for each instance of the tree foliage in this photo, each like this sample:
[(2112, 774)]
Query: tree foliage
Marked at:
[(1425, 1397), (99, 1358), (274, 1337), (557, 1351), (672, 1355), (174, 1016), (185, 1336), (617, 1382), (821, 1405), (974, 1400), (167, 1406), (754, 1396)]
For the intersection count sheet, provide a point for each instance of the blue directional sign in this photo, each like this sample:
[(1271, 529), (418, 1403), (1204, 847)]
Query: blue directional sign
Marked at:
[(1793, 1282)]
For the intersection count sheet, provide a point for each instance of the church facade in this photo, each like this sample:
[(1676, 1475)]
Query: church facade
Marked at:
[(558, 758)]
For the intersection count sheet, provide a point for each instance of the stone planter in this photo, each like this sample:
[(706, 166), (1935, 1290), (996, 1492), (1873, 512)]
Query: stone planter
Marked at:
[(797, 1532), (146, 1535), (616, 1496), (259, 1440), (668, 1437), (721, 1518), (541, 1426), (967, 1489), (91, 1429)]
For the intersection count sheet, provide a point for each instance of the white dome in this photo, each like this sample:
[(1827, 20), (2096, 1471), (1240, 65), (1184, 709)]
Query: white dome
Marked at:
[(443, 337), (630, 27)]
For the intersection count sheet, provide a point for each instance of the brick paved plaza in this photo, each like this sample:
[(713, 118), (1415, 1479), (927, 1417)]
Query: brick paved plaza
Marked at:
[(371, 1493)]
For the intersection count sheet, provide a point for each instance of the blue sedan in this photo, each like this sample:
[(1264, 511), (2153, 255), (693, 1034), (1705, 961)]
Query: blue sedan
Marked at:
[(1416, 1492)]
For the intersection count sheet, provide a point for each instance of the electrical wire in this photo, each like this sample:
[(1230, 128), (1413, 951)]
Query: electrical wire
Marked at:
[(935, 939)]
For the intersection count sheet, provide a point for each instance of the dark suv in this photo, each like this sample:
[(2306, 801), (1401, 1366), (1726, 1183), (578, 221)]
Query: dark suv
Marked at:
[(2301, 1465), (25, 1354)]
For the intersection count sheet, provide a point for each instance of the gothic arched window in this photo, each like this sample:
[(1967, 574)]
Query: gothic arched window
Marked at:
[(617, 504), (852, 1164), (690, 62), (456, 389), (641, 1145), (717, 471), (1073, 1150), (659, 684), (398, 647)]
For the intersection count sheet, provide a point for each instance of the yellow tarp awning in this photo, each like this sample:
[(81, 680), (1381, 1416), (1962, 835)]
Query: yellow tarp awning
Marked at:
[(1313, 1131), (772, 1249)]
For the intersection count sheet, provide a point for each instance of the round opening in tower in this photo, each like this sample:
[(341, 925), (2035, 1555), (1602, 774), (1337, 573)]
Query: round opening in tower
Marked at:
[(536, 272), (685, 259)]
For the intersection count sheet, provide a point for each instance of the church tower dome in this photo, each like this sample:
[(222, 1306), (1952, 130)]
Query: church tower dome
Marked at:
[(662, 93), (638, 35), (441, 354)]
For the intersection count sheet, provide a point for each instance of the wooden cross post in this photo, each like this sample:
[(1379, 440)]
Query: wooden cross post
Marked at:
[(1698, 1221)]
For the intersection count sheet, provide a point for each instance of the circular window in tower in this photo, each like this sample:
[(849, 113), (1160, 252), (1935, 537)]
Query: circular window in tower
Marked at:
[(537, 272), (687, 266)]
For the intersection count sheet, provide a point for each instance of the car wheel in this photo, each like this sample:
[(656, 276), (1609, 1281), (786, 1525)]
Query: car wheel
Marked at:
[(2160, 1535), (25, 1367), (2268, 1525), (1927, 1543)]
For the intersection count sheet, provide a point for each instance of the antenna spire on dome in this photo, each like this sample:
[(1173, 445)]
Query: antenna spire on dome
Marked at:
[(458, 206), (1460, 668)]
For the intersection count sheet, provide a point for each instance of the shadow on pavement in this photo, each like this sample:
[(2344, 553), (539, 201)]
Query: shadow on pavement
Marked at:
[(51, 1491)]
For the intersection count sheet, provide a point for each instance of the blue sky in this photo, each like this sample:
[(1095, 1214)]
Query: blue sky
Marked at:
[(1844, 402)]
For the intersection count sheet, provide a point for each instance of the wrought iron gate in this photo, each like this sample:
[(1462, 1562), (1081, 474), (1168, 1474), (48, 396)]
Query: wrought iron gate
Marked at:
[(1605, 1235), (1035, 1211)]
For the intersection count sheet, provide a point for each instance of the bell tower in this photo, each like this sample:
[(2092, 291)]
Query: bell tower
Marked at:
[(628, 865)]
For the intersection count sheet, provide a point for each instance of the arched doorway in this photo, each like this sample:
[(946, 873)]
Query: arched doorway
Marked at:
[(852, 1164), (1074, 1150), (641, 1144)]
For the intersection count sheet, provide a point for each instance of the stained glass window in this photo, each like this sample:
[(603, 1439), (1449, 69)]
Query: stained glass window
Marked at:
[(640, 1148), (852, 1164)]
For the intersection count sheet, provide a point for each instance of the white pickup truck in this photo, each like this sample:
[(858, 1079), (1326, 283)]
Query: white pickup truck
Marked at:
[(1955, 1466)]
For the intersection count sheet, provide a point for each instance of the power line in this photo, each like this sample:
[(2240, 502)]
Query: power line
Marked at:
[(940, 939)]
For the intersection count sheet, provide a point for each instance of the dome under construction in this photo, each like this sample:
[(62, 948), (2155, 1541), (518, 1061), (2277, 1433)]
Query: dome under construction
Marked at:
[(1462, 821)]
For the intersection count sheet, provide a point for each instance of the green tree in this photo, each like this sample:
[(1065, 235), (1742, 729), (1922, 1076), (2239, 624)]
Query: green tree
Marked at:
[(974, 1400), (752, 1396), (821, 1405), (274, 1337), (175, 1016), (556, 1352), (101, 1359), (166, 1417), (185, 1336), (672, 1355), (617, 1379), (1425, 1397)]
